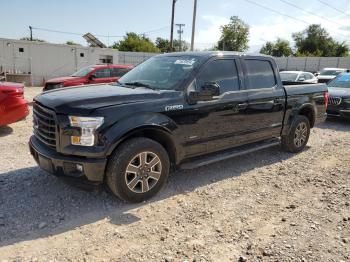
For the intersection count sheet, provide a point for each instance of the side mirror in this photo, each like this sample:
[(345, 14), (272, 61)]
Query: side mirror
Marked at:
[(207, 92), (92, 77), (317, 74)]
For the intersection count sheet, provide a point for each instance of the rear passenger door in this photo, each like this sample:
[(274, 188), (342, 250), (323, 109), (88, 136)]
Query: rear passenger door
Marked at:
[(266, 99)]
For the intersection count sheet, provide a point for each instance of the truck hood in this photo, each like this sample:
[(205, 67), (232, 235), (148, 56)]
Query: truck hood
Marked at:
[(83, 100), (64, 79), (339, 92)]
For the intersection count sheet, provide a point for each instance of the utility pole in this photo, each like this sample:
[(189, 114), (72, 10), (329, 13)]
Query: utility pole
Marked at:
[(180, 32), (193, 24), (171, 48), (31, 33)]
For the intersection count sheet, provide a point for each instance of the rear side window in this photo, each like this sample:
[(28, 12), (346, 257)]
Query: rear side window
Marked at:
[(119, 72), (102, 73), (260, 74), (223, 72)]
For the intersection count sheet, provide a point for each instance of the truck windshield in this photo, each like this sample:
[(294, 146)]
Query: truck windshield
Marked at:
[(288, 76), (161, 72), (342, 81), (83, 72)]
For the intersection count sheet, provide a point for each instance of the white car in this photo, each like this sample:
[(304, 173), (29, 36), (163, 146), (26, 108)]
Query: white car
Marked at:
[(298, 76), (328, 74)]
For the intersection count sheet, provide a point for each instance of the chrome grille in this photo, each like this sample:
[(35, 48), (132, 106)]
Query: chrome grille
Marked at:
[(44, 125), (334, 101)]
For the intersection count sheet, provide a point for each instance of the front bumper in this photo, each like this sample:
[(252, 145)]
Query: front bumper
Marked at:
[(90, 169)]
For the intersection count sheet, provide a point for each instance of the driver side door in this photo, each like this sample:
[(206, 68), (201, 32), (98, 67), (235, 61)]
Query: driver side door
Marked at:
[(220, 123)]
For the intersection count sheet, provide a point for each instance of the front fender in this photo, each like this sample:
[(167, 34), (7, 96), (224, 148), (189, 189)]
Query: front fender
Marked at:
[(120, 129)]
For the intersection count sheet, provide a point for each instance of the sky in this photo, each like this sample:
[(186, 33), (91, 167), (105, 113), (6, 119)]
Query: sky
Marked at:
[(114, 18)]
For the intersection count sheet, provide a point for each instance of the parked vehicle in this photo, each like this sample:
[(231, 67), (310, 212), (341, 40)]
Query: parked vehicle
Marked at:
[(180, 110), (96, 74), (13, 106), (339, 96), (328, 74), (298, 76)]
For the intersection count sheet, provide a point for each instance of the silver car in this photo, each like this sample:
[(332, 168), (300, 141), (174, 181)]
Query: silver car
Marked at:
[(298, 76)]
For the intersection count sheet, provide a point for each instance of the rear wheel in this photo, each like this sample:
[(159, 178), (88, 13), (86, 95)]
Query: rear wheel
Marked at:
[(138, 169), (298, 136)]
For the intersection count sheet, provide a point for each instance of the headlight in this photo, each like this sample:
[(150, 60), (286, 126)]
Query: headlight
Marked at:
[(88, 127)]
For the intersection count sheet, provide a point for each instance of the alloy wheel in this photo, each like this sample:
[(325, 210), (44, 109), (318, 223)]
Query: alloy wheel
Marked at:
[(143, 172), (300, 134)]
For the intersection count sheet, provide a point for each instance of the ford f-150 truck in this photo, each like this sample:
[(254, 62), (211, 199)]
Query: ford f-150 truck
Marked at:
[(178, 110)]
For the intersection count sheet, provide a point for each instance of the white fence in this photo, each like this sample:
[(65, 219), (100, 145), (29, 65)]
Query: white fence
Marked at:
[(311, 64)]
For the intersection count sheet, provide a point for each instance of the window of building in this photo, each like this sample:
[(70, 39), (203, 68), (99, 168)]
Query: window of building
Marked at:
[(260, 74), (223, 72), (82, 54), (21, 50), (106, 59)]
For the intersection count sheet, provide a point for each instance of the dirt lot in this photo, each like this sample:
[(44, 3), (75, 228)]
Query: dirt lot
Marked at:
[(267, 206)]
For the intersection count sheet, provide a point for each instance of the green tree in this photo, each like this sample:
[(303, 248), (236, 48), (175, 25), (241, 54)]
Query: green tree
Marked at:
[(316, 41), (72, 43), (135, 43), (34, 39), (164, 45), (234, 35), (280, 48)]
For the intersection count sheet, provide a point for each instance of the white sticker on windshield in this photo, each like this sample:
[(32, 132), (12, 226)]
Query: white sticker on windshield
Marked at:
[(185, 62)]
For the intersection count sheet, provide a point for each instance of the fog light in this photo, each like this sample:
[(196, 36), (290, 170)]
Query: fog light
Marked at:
[(79, 168)]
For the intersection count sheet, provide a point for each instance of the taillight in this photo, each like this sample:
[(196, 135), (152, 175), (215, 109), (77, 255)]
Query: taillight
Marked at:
[(14, 92), (325, 95)]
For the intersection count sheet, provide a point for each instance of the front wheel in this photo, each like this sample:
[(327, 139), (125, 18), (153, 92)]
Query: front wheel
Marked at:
[(298, 136), (138, 169)]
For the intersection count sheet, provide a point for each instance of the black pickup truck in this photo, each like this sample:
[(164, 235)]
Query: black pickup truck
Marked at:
[(179, 110)]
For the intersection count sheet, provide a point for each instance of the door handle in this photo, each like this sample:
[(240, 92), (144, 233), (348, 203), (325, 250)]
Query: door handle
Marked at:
[(277, 101), (242, 106)]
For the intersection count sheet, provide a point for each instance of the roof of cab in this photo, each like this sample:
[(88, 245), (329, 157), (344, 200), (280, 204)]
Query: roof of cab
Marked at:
[(215, 53)]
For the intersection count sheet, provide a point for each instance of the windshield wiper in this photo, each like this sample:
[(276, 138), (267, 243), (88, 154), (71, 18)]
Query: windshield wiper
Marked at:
[(138, 84)]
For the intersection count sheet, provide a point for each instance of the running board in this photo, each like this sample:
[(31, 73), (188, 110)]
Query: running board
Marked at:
[(223, 155)]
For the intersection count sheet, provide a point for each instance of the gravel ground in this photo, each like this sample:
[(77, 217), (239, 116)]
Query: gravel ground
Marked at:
[(267, 206)]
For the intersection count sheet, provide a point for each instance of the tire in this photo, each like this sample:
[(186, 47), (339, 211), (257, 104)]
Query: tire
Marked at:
[(137, 169), (298, 135)]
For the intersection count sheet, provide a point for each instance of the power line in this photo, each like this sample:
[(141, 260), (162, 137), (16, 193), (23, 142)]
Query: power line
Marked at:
[(308, 12), (108, 36), (280, 13), (277, 12), (70, 33), (334, 8)]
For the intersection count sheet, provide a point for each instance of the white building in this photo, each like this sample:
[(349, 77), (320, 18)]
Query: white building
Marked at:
[(35, 62)]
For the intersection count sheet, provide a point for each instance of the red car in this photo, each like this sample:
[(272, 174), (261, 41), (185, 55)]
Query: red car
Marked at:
[(95, 74), (13, 107)]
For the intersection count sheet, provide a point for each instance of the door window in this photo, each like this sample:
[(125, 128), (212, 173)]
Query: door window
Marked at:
[(223, 72), (259, 74), (102, 73), (119, 72)]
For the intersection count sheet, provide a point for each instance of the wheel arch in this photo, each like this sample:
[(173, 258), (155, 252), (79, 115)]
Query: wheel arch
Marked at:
[(309, 112), (157, 133)]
